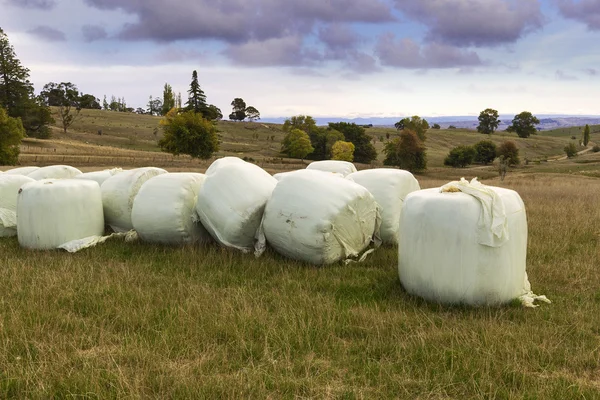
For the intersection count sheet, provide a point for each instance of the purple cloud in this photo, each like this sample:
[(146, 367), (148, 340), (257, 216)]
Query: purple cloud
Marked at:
[(406, 53), (338, 36), (41, 4), (93, 32), (474, 22), (591, 71), (286, 51), (47, 33), (585, 11)]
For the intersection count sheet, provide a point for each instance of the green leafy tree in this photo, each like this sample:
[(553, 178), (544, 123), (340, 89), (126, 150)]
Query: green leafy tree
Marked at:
[(89, 101), (66, 97), (406, 152), (509, 151), (11, 134), (213, 113), (296, 144), (460, 156), (105, 104), (196, 97), (451, 127), (586, 135), (485, 152), (436, 126), (364, 151), (239, 110), (189, 133), (523, 124), (571, 150), (415, 124), (488, 121), (343, 151), (252, 113), (305, 123), (168, 101)]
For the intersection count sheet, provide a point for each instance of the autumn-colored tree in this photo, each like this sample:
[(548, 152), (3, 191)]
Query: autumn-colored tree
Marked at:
[(343, 151), (406, 152), (415, 124), (510, 151)]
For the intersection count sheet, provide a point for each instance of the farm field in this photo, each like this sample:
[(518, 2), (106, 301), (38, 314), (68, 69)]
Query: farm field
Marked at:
[(135, 320)]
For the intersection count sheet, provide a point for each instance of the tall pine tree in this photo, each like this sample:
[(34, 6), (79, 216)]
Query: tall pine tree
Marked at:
[(196, 97), (168, 99)]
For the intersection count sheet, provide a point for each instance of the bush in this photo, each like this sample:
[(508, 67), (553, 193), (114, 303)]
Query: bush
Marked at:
[(485, 152), (510, 151), (406, 152), (11, 133), (364, 151), (189, 133), (460, 156), (343, 151), (596, 148), (571, 150)]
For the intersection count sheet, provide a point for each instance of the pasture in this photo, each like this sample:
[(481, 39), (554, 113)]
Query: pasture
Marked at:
[(131, 320)]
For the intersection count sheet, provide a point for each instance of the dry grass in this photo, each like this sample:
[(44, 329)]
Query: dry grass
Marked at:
[(141, 321)]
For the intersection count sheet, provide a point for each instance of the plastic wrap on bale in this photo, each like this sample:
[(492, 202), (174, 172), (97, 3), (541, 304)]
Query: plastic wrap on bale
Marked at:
[(118, 195), (9, 189), (279, 176), (21, 171), (221, 162), (231, 203), (319, 219), (341, 167), (53, 212), (54, 172), (389, 187), (99, 176), (164, 210), (455, 248)]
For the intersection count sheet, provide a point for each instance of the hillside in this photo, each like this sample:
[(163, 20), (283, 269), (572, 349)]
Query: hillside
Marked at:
[(104, 138)]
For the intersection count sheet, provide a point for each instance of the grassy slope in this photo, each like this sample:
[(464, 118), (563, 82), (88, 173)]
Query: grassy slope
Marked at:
[(142, 321)]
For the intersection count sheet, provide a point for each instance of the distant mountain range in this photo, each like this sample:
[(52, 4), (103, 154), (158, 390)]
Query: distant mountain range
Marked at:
[(470, 122)]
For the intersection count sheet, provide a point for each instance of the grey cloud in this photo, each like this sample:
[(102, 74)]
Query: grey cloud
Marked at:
[(172, 54), (562, 76), (93, 32), (48, 33), (41, 4), (591, 71), (337, 36), (585, 11), (474, 22), (362, 63), (239, 21), (406, 53), (286, 51)]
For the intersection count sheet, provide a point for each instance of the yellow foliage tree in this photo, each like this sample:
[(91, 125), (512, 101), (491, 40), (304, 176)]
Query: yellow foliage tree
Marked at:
[(343, 151)]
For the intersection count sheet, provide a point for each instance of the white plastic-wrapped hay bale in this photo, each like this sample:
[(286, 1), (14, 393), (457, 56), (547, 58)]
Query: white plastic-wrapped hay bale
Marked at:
[(54, 172), (280, 175), (21, 171), (9, 188), (54, 212), (99, 176), (164, 210), (118, 195), (389, 187), (231, 203), (464, 247), (320, 219), (341, 167), (220, 162)]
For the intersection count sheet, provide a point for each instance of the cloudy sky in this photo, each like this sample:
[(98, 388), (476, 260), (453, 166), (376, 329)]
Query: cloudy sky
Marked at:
[(345, 58)]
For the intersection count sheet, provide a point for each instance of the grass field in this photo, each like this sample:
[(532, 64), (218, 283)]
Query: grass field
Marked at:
[(139, 321)]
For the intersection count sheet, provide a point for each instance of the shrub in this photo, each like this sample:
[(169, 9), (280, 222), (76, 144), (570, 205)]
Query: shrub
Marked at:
[(510, 151), (189, 133), (11, 133), (460, 156), (571, 150), (296, 144), (485, 152), (406, 152), (343, 151)]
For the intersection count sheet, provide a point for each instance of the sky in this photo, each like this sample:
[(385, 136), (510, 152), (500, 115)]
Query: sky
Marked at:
[(342, 58)]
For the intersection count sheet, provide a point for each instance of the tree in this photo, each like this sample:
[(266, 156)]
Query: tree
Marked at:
[(252, 113), (571, 150), (16, 93), (415, 124), (305, 123), (89, 101), (586, 135), (66, 96), (485, 152), (189, 133), (239, 110), (296, 144), (105, 104), (196, 97), (168, 101), (488, 121), (460, 156), (406, 152), (524, 124), (436, 126), (509, 151), (213, 113), (364, 151), (11, 133), (343, 151)]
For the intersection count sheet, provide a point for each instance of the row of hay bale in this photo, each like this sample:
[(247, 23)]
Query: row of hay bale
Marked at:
[(326, 213)]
